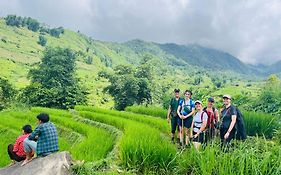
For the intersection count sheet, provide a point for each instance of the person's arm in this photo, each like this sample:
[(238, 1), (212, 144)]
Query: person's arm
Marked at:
[(217, 115), (169, 114), (35, 133)]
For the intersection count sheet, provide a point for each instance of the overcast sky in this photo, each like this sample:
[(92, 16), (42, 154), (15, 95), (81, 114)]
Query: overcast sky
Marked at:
[(247, 29)]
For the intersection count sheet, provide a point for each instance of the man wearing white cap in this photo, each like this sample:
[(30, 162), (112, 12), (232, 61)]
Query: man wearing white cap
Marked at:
[(229, 116)]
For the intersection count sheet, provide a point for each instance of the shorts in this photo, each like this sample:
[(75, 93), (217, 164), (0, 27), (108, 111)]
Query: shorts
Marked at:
[(200, 138), (174, 124), (186, 122), (223, 131)]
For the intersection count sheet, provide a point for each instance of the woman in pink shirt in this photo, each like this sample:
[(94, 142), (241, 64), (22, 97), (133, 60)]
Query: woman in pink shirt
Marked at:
[(16, 151)]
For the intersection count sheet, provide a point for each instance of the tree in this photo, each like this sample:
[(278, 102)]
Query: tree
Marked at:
[(13, 20), (89, 60), (42, 40), (53, 83), (127, 88), (32, 24), (269, 100), (7, 93), (56, 32)]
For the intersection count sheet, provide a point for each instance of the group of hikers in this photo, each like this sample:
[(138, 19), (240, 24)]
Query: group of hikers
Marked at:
[(43, 141), (202, 124)]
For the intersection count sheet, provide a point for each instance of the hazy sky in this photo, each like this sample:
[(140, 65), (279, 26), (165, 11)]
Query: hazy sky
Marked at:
[(248, 29)]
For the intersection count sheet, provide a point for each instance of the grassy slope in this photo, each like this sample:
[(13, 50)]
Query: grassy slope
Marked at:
[(20, 51)]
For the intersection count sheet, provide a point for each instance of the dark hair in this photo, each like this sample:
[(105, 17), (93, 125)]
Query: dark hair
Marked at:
[(177, 90), (189, 91), (44, 117), (27, 129)]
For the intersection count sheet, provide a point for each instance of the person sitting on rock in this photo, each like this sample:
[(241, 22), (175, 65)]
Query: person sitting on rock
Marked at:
[(46, 136), (16, 151)]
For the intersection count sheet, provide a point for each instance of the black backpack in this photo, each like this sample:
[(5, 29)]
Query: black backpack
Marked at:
[(240, 126)]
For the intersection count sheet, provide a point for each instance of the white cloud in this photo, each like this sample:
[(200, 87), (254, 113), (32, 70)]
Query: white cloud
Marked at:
[(248, 29)]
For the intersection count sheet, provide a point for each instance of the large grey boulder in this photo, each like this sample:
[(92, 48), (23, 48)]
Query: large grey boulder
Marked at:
[(54, 164)]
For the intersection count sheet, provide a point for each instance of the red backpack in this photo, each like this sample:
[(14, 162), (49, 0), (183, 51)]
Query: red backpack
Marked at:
[(211, 117)]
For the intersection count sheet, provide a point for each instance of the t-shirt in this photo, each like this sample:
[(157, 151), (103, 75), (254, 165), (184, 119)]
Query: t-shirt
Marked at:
[(174, 103), (18, 146), (226, 114), (186, 106), (198, 121)]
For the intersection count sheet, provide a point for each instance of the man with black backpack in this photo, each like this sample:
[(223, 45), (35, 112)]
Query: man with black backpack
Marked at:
[(172, 116), (213, 119)]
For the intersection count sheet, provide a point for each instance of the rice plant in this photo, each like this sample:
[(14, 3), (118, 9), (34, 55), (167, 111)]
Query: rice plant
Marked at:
[(260, 124), (148, 110)]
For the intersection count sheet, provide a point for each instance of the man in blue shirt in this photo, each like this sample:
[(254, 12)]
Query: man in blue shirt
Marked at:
[(46, 136)]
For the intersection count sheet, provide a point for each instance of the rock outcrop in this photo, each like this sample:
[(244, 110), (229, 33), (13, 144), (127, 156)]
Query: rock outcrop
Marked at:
[(54, 164)]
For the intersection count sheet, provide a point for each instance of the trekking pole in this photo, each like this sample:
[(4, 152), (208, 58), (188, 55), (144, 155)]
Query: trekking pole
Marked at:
[(182, 133)]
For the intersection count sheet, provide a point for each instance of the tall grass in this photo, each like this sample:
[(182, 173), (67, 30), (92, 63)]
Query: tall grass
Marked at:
[(149, 110), (255, 156), (260, 124), (6, 137), (141, 147)]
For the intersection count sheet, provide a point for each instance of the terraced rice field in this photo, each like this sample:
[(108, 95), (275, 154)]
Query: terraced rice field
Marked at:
[(112, 142)]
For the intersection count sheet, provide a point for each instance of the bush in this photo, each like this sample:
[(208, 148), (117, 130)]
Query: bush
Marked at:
[(42, 40), (89, 60)]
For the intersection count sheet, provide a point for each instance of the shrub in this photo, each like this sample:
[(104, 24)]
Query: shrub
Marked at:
[(42, 40)]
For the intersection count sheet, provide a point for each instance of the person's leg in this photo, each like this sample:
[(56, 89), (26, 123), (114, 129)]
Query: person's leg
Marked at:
[(197, 141), (178, 129), (10, 151), (197, 145), (13, 156), (188, 124), (173, 128), (180, 122), (187, 136), (207, 136), (29, 148), (222, 133)]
